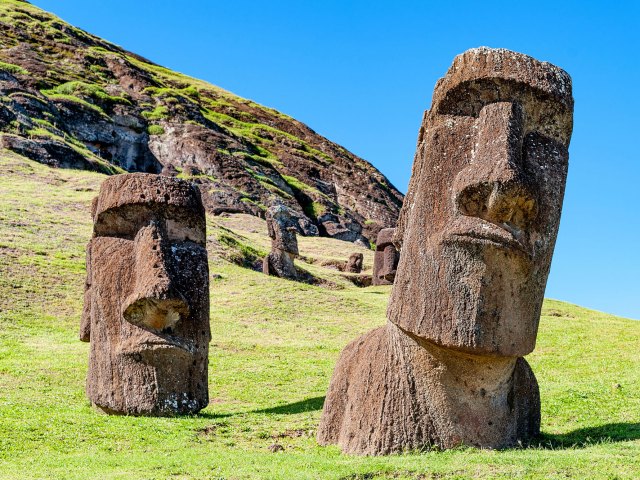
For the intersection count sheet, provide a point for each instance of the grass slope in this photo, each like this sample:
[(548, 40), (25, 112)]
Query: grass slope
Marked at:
[(274, 347)]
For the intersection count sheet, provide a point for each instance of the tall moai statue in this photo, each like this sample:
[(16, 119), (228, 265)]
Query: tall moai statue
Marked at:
[(281, 225), (146, 304), (385, 260), (477, 232)]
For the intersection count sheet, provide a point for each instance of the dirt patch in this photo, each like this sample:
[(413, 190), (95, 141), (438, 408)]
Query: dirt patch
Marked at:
[(557, 313), (294, 433)]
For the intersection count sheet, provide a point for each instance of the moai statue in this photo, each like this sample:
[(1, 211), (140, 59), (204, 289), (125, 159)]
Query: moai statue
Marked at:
[(281, 225), (354, 263), (385, 260), (477, 232), (146, 304)]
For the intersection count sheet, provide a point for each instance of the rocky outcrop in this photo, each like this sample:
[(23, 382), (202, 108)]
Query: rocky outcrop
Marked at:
[(75, 100)]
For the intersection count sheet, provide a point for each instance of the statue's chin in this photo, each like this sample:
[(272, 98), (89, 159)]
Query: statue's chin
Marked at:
[(484, 301)]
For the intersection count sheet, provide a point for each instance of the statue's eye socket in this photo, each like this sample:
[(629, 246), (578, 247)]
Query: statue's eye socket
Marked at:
[(178, 224), (119, 227), (544, 150), (182, 231)]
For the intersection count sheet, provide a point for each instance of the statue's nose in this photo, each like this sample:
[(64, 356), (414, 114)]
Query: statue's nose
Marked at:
[(155, 302), (494, 186)]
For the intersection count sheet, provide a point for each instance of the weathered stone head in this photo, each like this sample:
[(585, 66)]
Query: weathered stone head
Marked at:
[(146, 310), (476, 231), (282, 228), (354, 263), (385, 261), (281, 225), (479, 223)]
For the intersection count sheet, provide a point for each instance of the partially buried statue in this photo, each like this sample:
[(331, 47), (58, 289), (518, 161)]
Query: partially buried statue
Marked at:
[(281, 225), (478, 228), (354, 263), (146, 306), (385, 260)]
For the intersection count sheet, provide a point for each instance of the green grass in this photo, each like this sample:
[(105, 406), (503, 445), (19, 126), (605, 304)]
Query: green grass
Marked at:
[(72, 98), (78, 76), (14, 69), (89, 90), (258, 133), (274, 346), (48, 131), (157, 113), (155, 130)]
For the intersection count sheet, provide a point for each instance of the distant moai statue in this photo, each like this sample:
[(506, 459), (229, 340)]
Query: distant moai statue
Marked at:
[(146, 304), (385, 260), (281, 225), (477, 232), (354, 263)]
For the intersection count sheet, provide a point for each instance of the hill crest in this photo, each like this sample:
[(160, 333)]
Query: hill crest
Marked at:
[(71, 99)]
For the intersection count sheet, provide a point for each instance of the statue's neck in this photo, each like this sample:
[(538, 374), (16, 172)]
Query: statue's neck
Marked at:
[(459, 369), (453, 363), (469, 398)]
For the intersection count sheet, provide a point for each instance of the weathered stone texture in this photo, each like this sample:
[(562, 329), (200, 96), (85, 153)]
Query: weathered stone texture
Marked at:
[(385, 260), (282, 228), (392, 392), (354, 263), (146, 310), (477, 232)]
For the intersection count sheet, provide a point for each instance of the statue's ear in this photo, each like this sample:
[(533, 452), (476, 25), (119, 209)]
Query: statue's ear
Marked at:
[(85, 322)]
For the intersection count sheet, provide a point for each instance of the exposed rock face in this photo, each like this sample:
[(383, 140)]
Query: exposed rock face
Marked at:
[(70, 99), (477, 240), (354, 263), (281, 225), (385, 261), (146, 304)]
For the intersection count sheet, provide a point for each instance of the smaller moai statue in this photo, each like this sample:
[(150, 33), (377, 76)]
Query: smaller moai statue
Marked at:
[(354, 263), (281, 225), (385, 261), (146, 302)]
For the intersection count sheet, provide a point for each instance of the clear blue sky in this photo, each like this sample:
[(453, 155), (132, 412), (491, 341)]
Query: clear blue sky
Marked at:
[(361, 73)]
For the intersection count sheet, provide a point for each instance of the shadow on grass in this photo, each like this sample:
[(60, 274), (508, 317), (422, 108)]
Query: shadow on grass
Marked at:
[(213, 416), (308, 405), (586, 437)]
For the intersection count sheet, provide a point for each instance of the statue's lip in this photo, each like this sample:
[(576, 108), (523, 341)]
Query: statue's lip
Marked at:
[(159, 344), (156, 344), (475, 229)]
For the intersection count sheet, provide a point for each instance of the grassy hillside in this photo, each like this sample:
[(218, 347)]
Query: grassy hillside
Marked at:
[(274, 346), (69, 98)]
